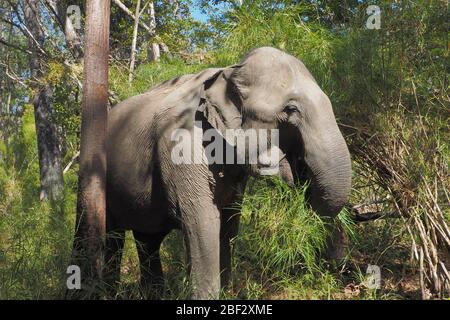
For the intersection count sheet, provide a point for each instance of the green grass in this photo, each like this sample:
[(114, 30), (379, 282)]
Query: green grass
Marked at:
[(35, 242)]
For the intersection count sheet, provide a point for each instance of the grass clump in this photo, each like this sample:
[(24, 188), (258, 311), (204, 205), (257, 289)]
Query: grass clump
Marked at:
[(280, 246)]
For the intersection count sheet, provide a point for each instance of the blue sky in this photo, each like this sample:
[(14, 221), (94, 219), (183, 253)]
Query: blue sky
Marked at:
[(198, 15)]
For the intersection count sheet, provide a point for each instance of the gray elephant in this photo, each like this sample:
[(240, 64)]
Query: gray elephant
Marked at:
[(151, 194)]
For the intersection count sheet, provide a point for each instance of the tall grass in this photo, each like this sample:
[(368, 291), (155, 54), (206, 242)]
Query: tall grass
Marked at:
[(35, 237), (389, 90), (280, 244), (394, 109)]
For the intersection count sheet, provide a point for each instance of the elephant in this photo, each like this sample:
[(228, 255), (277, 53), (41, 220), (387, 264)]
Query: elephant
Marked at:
[(151, 195)]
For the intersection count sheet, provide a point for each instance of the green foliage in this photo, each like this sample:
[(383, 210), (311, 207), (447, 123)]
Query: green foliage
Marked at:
[(36, 245), (175, 27), (280, 242), (66, 104), (35, 237), (148, 75), (253, 27)]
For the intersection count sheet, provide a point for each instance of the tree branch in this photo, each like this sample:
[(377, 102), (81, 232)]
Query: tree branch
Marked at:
[(128, 12), (51, 5), (24, 50), (23, 28)]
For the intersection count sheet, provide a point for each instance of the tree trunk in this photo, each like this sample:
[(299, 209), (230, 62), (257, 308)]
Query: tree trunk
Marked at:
[(165, 49), (91, 205), (47, 140), (133, 44), (153, 53), (6, 86)]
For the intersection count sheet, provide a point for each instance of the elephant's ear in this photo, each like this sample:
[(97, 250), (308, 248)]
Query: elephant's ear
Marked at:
[(221, 102)]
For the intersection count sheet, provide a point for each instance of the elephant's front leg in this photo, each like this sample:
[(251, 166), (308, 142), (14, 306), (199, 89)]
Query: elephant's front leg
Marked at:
[(202, 232), (229, 229), (190, 189)]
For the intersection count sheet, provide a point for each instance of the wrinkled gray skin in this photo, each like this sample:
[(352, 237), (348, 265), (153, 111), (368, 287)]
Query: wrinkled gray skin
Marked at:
[(149, 194)]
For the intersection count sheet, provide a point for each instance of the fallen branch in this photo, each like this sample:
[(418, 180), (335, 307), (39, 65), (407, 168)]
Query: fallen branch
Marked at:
[(71, 162), (366, 204), (358, 215), (370, 216)]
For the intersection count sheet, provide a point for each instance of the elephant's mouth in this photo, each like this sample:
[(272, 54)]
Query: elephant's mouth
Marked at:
[(263, 169), (269, 161), (265, 161)]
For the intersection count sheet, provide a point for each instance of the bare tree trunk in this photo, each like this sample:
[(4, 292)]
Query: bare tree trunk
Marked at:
[(165, 49), (91, 205), (47, 140), (6, 85), (153, 49), (3, 84), (153, 53), (133, 44)]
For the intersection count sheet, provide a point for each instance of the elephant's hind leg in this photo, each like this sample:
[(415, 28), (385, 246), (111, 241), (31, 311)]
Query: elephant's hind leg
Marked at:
[(152, 278)]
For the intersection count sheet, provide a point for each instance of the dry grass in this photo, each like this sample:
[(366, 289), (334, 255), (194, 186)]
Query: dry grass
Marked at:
[(410, 166)]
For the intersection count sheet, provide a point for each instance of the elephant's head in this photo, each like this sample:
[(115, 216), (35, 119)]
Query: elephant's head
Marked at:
[(273, 90)]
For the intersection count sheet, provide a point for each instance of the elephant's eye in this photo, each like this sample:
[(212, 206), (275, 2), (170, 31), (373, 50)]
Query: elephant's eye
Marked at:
[(290, 108)]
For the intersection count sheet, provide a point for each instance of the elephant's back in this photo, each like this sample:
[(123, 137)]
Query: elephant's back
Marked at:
[(132, 161)]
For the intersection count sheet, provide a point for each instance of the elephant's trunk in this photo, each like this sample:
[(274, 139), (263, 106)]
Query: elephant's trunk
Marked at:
[(329, 169)]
